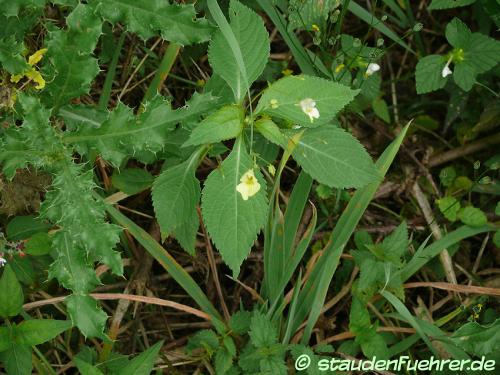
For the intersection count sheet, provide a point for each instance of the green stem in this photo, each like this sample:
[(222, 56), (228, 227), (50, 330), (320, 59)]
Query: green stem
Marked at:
[(166, 64)]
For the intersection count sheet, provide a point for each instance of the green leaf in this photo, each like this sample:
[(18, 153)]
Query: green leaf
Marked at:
[(86, 368), (11, 8), (464, 75), (226, 123), (205, 339), (186, 232), (496, 239), (476, 339), (38, 244), (448, 4), (449, 207), (381, 110), (472, 216), (282, 99), (248, 40), (262, 331), (359, 318), (393, 247), (176, 193), (175, 22), (233, 223), (271, 132), (122, 134), (86, 315), (334, 157), (17, 360), (497, 209), (22, 227), (447, 175), (132, 180), (11, 58), (223, 361), (12, 298), (37, 331), (69, 51), (481, 52), (428, 74), (457, 33), (144, 362), (240, 322)]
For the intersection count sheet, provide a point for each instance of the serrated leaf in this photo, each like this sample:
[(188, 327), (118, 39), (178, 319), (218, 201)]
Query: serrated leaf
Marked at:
[(262, 331), (86, 315), (359, 318), (175, 22), (72, 67), (176, 193), (448, 4), (144, 362), (226, 123), (37, 331), (186, 232), (11, 58), (72, 268), (132, 180), (428, 74), (240, 322), (122, 135), (333, 157), (472, 216), (205, 339), (233, 223), (283, 99), (12, 298), (223, 361), (253, 42)]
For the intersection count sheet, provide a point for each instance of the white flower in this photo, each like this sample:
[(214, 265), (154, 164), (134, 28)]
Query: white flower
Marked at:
[(372, 68), (3, 261), (308, 106), (446, 71), (249, 185)]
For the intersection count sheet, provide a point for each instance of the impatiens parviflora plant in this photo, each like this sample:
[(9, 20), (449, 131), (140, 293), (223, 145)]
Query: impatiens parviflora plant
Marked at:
[(472, 55)]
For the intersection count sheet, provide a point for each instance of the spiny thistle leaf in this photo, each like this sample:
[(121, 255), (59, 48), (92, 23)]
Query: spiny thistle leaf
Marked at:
[(72, 67), (175, 22)]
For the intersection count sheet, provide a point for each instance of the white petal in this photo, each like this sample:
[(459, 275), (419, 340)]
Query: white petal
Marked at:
[(446, 71)]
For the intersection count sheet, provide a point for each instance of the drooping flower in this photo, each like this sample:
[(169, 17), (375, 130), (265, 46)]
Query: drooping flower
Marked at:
[(32, 74), (372, 68), (308, 106), (3, 261), (446, 71), (248, 186)]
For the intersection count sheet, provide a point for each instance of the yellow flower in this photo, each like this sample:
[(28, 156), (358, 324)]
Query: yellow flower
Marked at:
[(315, 28), (339, 68), (16, 78), (272, 169), (34, 75), (287, 72), (249, 186), (37, 56)]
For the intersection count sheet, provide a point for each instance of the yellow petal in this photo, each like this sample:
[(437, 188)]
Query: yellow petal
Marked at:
[(37, 56), (16, 78), (35, 76)]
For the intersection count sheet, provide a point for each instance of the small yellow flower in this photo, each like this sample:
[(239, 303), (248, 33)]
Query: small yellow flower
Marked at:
[(287, 72), (37, 56), (315, 28), (16, 78), (308, 106), (249, 186), (339, 68)]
